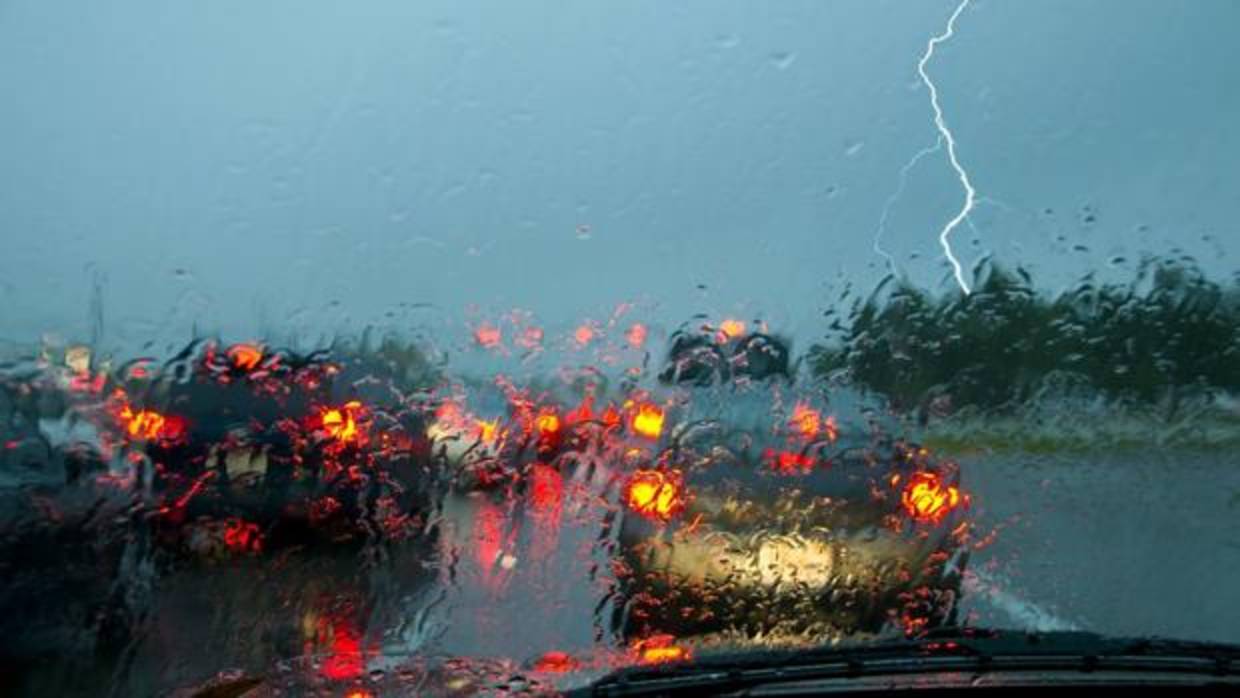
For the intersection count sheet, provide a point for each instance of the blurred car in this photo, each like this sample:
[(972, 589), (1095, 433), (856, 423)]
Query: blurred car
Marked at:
[(709, 354), (244, 447), (729, 531), (726, 540)]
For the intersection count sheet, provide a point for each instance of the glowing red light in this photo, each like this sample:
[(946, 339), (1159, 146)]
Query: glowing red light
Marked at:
[(245, 357), (927, 500), (548, 424), (654, 494), (344, 661), (149, 425), (546, 488), (584, 412), (583, 335), (790, 462), (488, 335), (556, 663), (242, 537), (341, 423)]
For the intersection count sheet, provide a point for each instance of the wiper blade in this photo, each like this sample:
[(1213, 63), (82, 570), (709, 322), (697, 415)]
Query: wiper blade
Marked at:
[(959, 652)]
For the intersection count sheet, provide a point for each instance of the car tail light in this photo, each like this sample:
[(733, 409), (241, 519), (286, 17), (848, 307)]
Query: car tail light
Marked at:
[(548, 425), (926, 499), (341, 423), (648, 420), (660, 649), (245, 357), (655, 494), (149, 425), (555, 662), (731, 329)]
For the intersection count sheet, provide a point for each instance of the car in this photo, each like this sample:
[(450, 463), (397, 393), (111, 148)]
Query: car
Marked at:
[(731, 531), (244, 447)]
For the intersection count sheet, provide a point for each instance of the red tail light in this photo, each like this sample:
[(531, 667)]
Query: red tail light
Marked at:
[(655, 494), (731, 329), (660, 649), (927, 500), (245, 357), (149, 425), (556, 663), (342, 424), (548, 425)]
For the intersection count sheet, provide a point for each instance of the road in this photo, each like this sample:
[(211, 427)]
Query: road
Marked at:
[(1138, 543), (1134, 543), (1126, 544)]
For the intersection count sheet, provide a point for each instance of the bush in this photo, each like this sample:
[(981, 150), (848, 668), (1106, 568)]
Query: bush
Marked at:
[(1167, 333)]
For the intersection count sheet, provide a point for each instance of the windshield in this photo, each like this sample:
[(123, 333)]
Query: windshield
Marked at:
[(418, 347)]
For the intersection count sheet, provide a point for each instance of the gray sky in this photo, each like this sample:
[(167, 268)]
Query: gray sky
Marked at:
[(313, 165)]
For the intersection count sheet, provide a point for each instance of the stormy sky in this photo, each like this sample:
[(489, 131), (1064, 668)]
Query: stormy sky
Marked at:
[(249, 167)]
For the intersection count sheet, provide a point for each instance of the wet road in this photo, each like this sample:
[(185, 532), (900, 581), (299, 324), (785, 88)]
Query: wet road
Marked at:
[(1117, 544), (1136, 544)]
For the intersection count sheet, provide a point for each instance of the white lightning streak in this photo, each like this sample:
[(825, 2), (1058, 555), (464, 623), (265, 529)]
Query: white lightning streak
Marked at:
[(970, 195), (895, 196)]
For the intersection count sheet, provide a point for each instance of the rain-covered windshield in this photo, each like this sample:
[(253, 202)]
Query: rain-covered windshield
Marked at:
[(407, 348)]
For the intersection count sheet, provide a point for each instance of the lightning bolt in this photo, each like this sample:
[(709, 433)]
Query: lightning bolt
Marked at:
[(895, 196), (970, 195)]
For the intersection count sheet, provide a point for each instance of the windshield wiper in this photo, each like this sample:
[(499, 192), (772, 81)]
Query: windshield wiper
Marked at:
[(964, 653)]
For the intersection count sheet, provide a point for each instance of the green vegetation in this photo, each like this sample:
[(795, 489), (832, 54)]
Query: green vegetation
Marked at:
[(400, 360), (1168, 339)]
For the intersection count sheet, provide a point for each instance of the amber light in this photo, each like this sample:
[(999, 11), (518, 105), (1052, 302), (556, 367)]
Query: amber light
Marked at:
[(927, 500), (731, 329), (148, 424), (660, 649), (245, 357), (488, 432), (648, 420), (806, 420), (548, 424), (808, 423), (654, 494), (340, 423)]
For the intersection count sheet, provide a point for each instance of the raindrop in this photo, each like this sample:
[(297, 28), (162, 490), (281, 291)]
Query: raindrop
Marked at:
[(783, 60)]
